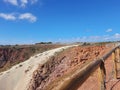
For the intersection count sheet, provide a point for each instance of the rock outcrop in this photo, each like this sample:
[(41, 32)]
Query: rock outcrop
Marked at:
[(64, 63)]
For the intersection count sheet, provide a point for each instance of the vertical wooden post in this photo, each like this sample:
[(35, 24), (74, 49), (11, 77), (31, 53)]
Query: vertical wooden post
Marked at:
[(117, 63), (114, 65), (102, 76)]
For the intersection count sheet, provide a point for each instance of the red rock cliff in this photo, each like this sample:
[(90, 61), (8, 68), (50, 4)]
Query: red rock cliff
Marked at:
[(11, 55)]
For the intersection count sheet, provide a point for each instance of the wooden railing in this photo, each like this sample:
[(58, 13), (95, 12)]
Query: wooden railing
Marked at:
[(79, 76)]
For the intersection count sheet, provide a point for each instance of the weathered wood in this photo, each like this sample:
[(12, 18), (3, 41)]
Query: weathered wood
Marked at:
[(114, 65), (102, 76), (117, 63)]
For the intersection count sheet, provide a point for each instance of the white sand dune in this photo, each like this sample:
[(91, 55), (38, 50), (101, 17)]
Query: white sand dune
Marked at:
[(17, 79)]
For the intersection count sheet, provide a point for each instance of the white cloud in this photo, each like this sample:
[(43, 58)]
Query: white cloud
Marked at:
[(117, 36), (8, 16), (114, 37), (23, 3), (13, 2), (109, 30), (27, 16), (15, 16)]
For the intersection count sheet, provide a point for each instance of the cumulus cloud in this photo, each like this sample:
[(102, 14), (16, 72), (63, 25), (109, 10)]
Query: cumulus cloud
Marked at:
[(13, 2), (8, 16), (109, 30), (21, 3), (28, 16), (13, 16)]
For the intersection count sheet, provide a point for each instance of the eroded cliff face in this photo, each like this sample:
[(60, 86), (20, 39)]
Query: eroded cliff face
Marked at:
[(63, 63), (19, 76), (12, 55)]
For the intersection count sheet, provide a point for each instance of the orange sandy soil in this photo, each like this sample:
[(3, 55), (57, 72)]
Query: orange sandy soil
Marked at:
[(93, 82), (62, 63)]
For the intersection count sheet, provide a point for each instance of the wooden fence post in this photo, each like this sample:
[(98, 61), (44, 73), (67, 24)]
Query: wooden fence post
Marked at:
[(114, 65), (117, 63), (102, 76)]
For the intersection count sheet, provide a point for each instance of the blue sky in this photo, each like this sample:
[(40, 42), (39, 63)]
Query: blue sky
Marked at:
[(30, 21)]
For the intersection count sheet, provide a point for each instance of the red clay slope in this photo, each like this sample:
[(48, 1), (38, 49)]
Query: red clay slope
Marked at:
[(11, 55), (63, 63)]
